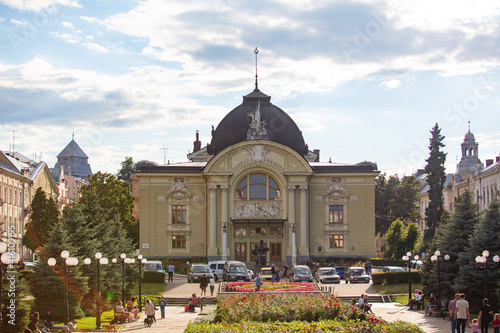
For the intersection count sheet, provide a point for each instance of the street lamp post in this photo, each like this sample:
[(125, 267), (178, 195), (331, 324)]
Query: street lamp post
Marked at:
[(435, 258), (483, 261), (142, 260), (123, 256), (100, 261), (67, 261), (407, 258)]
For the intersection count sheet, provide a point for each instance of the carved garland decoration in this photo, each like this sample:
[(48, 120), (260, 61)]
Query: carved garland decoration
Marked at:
[(179, 190), (257, 210)]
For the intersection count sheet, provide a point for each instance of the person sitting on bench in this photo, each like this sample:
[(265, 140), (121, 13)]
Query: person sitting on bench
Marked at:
[(193, 303), (416, 300)]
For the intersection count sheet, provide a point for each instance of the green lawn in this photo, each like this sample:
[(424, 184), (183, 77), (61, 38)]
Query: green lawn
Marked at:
[(397, 288)]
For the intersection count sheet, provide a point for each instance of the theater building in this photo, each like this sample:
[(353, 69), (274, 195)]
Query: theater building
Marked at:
[(256, 180)]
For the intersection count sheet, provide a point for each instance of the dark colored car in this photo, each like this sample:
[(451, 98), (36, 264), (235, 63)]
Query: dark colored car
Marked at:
[(341, 270), (196, 271), (356, 275), (327, 275), (235, 271), (301, 273)]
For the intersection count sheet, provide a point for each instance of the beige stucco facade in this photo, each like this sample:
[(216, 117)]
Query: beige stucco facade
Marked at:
[(216, 214)]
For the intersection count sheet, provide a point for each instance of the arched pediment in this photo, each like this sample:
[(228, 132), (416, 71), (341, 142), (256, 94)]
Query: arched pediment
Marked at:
[(179, 190), (336, 190)]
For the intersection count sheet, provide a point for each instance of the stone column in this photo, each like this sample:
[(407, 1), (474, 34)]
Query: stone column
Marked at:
[(224, 222), (213, 219), (291, 221), (303, 218)]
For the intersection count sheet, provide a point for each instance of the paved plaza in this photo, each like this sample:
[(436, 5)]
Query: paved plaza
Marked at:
[(177, 320)]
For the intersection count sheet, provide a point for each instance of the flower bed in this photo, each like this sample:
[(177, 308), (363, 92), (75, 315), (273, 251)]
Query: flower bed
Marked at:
[(242, 287)]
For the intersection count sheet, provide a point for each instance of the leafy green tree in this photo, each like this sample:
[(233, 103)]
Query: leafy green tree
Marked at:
[(115, 199), (471, 277), (44, 215), (395, 199), (14, 289), (395, 238), (412, 236), (453, 239), (127, 169), (436, 177), (48, 284)]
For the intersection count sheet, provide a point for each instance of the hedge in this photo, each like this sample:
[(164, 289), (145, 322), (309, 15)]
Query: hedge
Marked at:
[(395, 277), (153, 277)]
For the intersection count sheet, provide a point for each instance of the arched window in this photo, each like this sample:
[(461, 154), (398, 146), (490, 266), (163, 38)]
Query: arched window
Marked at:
[(257, 186)]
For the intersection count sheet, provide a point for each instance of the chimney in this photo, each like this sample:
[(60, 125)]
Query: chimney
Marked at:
[(489, 162), (316, 151), (197, 143), (498, 159)]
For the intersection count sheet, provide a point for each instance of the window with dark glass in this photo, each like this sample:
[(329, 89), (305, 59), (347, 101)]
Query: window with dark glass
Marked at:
[(258, 187), (336, 241), (179, 242), (336, 214), (178, 214)]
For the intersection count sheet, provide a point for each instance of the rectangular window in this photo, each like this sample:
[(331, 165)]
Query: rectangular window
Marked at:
[(336, 241), (258, 232), (178, 242), (336, 214), (178, 214), (240, 231), (275, 231)]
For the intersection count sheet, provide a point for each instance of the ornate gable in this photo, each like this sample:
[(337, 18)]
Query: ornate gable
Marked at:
[(179, 190), (336, 189)]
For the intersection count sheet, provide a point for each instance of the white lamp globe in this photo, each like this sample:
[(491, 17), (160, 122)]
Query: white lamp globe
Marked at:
[(144, 260), (87, 261), (123, 256), (486, 253), (64, 254), (51, 261), (139, 257), (3, 247), (446, 257), (103, 261), (437, 253), (114, 260), (98, 255), (434, 258)]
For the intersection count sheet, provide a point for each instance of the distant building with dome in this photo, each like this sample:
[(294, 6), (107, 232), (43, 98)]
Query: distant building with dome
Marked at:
[(256, 180)]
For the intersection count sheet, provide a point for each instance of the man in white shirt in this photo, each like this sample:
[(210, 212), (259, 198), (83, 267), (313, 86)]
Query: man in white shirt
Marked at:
[(462, 313)]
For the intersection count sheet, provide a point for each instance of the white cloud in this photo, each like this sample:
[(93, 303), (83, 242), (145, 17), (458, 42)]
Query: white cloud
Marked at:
[(38, 5), (67, 24), (391, 84), (96, 47), (68, 38), (17, 22)]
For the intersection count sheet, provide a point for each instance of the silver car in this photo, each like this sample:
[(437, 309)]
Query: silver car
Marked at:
[(196, 271), (327, 275)]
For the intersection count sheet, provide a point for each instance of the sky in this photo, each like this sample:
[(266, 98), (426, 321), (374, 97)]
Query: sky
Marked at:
[(363, 80)]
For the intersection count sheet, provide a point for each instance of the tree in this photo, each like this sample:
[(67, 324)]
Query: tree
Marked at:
[(471, 276), (44, 215), (395, 199), (436, 177), (127, 169), (115, 199), (453, 239), (48, 285), (14, 321)]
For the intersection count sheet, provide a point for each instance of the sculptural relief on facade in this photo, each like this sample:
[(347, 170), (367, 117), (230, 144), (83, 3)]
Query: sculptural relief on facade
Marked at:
[(258, 154), (179, 190), (257, 210), (336, 189), (257, 129)]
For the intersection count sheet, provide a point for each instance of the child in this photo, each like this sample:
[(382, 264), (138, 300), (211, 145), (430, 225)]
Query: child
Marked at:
[(474, 325), (496, 323)]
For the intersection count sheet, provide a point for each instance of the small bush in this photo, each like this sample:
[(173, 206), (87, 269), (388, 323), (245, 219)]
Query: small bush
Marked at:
[(153, 277), (395, 277)]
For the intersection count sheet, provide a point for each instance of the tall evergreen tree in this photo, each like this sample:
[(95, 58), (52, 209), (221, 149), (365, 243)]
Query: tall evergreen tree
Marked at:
[(472, 277), (48, 284), (436, 177), (395, 238), (15, 312), (127, 169), (44, 215), (453, 239)]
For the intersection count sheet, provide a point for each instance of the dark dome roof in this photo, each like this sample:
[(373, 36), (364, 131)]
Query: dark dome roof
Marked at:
[(280, 127)]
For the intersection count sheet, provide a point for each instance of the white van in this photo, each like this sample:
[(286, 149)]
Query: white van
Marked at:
[(154, 265), (217, 267)]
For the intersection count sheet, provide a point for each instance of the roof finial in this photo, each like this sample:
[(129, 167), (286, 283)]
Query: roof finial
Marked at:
[(469, 125), (256, 51), (73, 136)]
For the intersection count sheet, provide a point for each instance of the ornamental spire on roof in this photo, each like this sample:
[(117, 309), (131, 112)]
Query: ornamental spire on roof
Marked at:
[(256, 51)]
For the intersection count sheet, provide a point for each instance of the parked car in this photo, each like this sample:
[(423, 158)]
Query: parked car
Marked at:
[(393, 269), (251, 274), (265, 274), (235, 271), (326, 275), (154, 265), (196, 271), (29, 266), (301, 273), (341, 270), (356, 275), (217, 268)]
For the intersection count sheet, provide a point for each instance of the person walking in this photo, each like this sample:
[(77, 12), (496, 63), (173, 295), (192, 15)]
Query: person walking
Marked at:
[(258, 282), (462, 313), (285, 271), (273, 273), (171, 268), (212, 285), (203, 285), (485, 316), (150, 310), (451, 310), (163, 303)]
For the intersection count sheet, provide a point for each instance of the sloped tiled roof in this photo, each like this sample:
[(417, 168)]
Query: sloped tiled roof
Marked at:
[(72, 150)]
